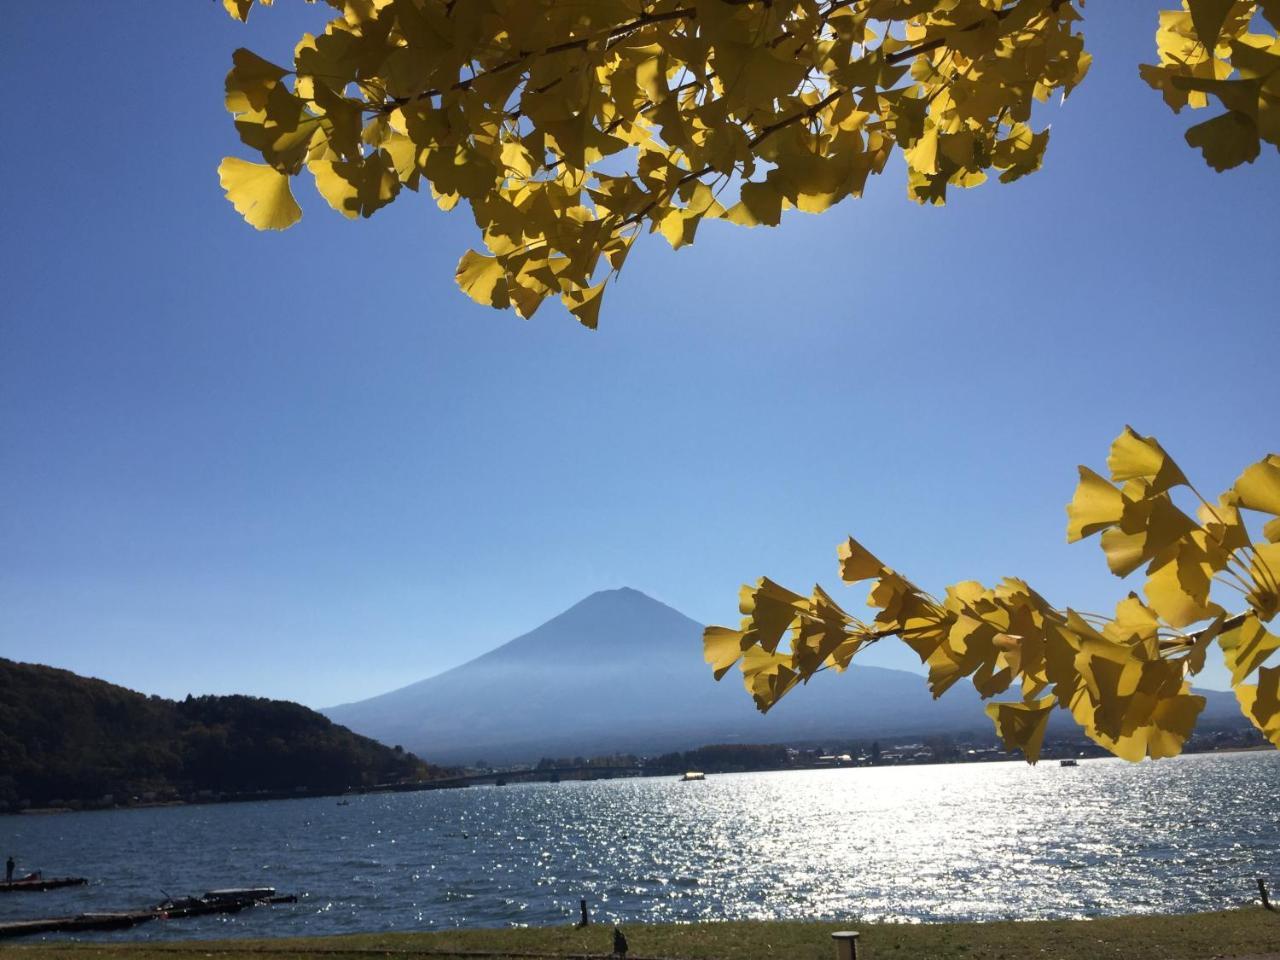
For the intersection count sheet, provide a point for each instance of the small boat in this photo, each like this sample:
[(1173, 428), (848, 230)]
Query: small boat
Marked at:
[(37, 881), (693, 775), (240, 893), (219, 901), (344, 803), (1069, 762)]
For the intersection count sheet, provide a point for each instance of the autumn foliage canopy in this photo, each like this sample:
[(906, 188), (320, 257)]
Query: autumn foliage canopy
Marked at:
[(571, 127)]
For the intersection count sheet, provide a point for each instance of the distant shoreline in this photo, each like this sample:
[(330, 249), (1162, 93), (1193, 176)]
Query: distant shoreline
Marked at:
[(513, 777)]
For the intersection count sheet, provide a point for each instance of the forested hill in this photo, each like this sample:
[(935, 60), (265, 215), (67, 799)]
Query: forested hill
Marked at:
[(67, 740)]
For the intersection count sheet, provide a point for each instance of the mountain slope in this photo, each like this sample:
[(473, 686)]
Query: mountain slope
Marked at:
[(621, 672), (71, 740)]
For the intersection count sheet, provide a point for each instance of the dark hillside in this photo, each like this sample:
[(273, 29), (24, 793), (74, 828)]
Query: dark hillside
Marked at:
[(68, 740)]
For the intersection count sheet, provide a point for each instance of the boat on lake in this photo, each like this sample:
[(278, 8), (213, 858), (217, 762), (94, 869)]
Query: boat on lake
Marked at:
[(1069, 762), (693, 775), (255, 894)]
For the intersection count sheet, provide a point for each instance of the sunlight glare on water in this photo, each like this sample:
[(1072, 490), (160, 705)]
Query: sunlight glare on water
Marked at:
[(958, 842)]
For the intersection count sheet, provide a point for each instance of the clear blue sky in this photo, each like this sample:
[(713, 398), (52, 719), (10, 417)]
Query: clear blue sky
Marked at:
[(303, 465)]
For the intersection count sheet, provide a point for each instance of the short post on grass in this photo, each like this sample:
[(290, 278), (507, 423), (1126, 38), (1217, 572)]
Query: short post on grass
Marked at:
[(846, 944)]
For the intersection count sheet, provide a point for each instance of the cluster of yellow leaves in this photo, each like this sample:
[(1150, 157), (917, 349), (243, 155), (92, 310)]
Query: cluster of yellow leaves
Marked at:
[(1124, 679), (1228, 50), (569, 128)]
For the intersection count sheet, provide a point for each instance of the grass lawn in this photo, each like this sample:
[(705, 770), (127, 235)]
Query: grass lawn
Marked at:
[(1250, 932)]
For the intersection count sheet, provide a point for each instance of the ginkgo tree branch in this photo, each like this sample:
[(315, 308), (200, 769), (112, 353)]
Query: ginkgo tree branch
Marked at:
[(755, 141), (929, 46), (770, 129), (609, 38), (580, 43), (900, 56), (516, 112), (1125, 680)]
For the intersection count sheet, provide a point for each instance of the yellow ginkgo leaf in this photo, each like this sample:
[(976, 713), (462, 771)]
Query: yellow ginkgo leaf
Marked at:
[(816, 636), (857, 562), (1264, 571), (767, 675), (1147, 528), (1246, 647), (1097, 504), (238, 8), (758, 204), (259, 193), (1172, 721), (1261, 702), (922, 157), (283, 132), (584, 303), (1135, 457), (678, 227), (1227, 140), (250, 81), (1021, 726), (768, 611), (1021, 153), (1258, 488), (1224, 527), (1178, 590), (1208, 17), (1266, 705), (483, 279), (721, 648), (1199, 647), (357, 188)]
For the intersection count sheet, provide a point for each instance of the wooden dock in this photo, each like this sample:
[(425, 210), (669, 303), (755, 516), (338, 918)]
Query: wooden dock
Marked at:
[(84, 921), (37, 883), (169, 910)]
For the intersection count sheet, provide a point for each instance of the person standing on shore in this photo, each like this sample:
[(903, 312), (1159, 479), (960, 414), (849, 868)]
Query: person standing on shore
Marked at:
[(8, 869)]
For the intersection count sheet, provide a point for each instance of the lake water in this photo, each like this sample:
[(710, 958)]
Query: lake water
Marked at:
[(972, 842)]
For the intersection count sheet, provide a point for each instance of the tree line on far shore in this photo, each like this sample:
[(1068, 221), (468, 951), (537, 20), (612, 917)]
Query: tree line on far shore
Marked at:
[(67, 740)]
